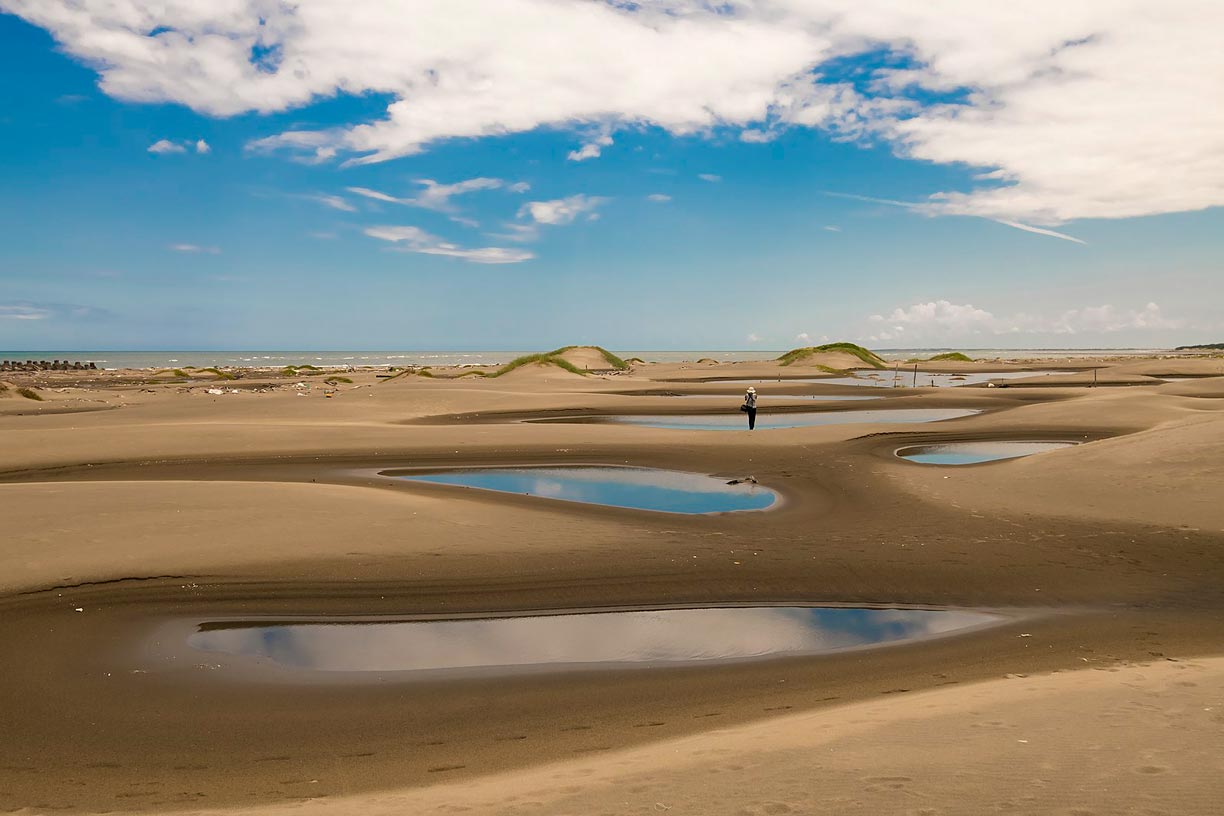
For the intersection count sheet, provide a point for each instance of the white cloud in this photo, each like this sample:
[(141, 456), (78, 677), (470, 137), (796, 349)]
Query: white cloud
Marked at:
[(560, 211), (438, 197), (1038, 230), (333, 201), (803, 337), (415, 239), (831, 228), (208, 250), (943, 320), (202, 147), (753, 337), (163, 146), (710, 177), (659, 197), (591, 149), (23, 311), (1094, 109)]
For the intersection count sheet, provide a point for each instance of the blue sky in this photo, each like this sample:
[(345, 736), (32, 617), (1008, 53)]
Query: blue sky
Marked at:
[(701, 223)]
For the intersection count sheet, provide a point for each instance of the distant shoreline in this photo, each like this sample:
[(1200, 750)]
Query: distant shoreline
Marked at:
[(259, 358)]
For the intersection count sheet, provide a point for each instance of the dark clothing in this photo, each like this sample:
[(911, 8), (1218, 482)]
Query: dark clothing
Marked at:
[(751, 418)]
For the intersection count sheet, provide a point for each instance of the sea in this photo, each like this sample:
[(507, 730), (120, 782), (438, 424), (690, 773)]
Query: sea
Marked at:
[(381, 359)]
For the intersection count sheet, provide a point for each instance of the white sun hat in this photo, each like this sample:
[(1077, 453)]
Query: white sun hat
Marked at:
[(751, 390)]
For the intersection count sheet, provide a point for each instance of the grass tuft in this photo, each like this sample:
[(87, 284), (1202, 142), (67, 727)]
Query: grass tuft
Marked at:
[(30, 393), (548, 358), (612, 360), (334, 380), (866, 355)]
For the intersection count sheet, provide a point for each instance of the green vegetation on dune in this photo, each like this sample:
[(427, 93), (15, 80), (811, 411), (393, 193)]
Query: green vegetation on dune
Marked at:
[(612, 360), (1202, 347), (548, 358), (334, 380), (30, 393), (800, 354), (951, 356)]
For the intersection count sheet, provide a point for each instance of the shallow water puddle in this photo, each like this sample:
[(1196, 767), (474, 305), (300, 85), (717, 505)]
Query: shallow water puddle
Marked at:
[(737, 422), (906, 379), (639, 488), (640, 637), (972, 453), (735, 399)]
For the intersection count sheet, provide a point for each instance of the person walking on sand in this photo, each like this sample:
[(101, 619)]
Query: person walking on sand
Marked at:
[(749, 407)]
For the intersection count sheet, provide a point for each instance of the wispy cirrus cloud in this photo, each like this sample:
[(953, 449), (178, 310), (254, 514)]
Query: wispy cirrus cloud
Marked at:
[(24, 310), (195, 248), (927, 208), (415, 239), (436, 196), (333, 201)]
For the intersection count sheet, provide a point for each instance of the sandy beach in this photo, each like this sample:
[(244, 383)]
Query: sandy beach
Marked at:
[(132, 499)]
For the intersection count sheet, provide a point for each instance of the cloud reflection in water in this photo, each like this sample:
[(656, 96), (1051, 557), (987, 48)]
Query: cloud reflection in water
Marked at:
[(641, 488), (660, 636)]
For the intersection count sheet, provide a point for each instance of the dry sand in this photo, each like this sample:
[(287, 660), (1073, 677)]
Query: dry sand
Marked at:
[(137, 502)]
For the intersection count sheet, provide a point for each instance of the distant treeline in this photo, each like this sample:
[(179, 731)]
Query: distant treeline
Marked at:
[(1203, 347)]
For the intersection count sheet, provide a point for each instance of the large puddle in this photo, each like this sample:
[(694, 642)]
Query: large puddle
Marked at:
[(735, 399), (972, 453), (906, 379), (735, 421), (666, 636), (639, 488)]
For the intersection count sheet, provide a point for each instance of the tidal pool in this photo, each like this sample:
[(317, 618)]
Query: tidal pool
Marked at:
[(735, 399), (667, 491), (972, 453), (631, 638), (735, 421), (903, 378)]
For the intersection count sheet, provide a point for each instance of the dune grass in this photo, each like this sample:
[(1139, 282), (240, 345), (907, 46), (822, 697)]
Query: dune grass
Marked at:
[(866, 355), (952, 356), (221, 375), (334, 380), (547, 358), (30, 393), (612, 360)]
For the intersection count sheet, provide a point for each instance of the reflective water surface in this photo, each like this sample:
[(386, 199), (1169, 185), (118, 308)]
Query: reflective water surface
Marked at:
[(734, 400), (735, 421), (971, 453), (641, 488), (906, 379), (657, 636)]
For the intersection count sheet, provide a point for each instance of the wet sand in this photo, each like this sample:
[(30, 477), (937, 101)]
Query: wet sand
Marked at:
[(176, 502)]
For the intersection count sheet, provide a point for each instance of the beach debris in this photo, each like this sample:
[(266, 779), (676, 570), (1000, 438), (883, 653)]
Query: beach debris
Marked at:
[(79, 609), (745, 480), (215, 391)]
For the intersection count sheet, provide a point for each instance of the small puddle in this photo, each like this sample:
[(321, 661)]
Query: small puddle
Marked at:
[(972, 453), (765, 420), (640, 637), (666, 491)]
